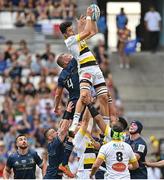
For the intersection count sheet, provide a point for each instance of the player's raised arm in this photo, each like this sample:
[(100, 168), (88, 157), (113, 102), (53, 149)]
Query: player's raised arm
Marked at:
[(66, 123), (81, 22), (158, 164), (88, 27)]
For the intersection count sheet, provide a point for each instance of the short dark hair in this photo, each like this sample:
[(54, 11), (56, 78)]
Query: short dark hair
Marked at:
[(123, 122), (19, 136), (59, 60), (63, 26), (17, 139)]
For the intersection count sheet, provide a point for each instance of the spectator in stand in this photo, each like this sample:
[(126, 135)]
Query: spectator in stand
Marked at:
[(30, 18), (14, 68), (115, 95), (20, 19), (21, 5), (153, 26), (42, 11), (30, 4), (50, 66), (99, 51), (121, 19), (9, 49), (50, 8), (47, 51), (123, 36), (102, 26), (3, 64), (68, 10), (9, 138), (1, 4), (24, 58), (36, 65), (57, 11)]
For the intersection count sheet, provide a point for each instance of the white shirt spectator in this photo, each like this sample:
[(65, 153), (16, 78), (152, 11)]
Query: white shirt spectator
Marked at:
[(153, 173), (152, 19)]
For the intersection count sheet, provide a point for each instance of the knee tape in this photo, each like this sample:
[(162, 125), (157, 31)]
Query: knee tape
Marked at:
[(101, 91)]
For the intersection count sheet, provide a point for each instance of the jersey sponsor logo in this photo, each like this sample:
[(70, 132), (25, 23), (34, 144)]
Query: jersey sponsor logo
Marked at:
[(16, 163), (120, 167), (118, 146), (23, 161), (87, 76), (141, 148)]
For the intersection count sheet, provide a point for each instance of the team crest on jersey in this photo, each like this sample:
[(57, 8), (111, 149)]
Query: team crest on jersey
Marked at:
[(87, 76), (120, 167)]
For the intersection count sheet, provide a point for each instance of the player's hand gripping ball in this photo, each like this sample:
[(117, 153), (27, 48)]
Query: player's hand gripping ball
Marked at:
[(96, 12)]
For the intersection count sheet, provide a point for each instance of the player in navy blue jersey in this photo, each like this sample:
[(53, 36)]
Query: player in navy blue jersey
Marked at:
[(140, 149), (23, 162), (68, 79), (56, 146)]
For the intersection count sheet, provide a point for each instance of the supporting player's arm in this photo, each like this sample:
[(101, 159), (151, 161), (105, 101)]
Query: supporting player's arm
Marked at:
[(66, 123), (95, 143), (96, 166), (58, 95), (158, 164), (6, 172), (133, 161), (133, 165), (97, 118)]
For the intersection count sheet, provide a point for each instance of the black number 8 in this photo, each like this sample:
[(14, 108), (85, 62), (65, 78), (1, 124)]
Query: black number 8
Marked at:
[(119, 156)]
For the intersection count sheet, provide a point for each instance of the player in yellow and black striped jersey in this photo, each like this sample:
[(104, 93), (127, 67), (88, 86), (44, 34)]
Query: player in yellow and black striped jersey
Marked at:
[(89, 71), (84, 146)]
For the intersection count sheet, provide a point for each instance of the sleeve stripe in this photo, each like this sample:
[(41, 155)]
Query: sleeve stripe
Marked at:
[(82, 132), (106, 130), (101, 156), (78, 37), (133, 160)]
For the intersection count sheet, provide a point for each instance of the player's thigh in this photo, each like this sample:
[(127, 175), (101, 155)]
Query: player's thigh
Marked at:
[(85, 90), (98, 77), (86, 77)]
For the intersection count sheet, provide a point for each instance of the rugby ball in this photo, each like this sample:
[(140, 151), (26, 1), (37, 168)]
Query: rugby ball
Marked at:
[(96, 12)]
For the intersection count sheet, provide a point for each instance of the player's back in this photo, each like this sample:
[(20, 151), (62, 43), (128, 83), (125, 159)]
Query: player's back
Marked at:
[(117, 155), (69, 79)]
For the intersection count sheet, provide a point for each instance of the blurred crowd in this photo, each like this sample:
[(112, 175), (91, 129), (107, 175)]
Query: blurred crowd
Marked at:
[(27, 88), (28, 12)]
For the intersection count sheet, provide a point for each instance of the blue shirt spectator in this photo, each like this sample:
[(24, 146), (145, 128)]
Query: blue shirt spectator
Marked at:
[(121, 19)]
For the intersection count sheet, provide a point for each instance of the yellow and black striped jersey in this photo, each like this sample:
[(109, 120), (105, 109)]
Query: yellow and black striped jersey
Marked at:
[(79, 49)]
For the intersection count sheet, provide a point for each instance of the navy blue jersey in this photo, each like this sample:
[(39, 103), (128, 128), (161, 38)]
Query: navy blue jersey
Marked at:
[(55, 157), (69, 79), (24, 166), (139, 146)]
